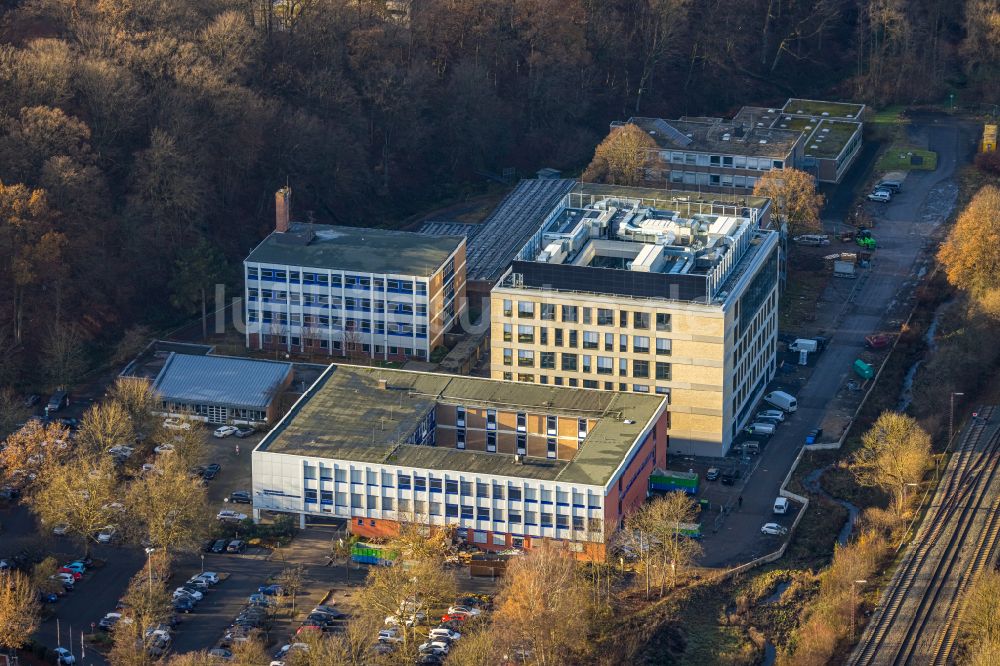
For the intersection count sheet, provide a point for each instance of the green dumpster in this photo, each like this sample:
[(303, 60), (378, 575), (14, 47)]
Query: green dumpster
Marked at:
[(864, 370)]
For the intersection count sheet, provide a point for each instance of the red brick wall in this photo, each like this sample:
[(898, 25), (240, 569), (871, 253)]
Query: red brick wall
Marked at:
[(629, 491)]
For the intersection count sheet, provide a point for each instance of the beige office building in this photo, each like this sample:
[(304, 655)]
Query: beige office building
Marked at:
[(623, 294)]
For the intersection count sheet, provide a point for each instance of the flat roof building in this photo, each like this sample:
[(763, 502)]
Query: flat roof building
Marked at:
[(620, 292), (503, 463), (720, 155), (220, 389), (355, 292)]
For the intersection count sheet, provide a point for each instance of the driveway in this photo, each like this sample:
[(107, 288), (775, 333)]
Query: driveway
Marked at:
[(902, 227)]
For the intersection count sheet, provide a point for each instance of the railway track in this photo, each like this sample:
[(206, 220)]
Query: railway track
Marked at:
[(925, 593)]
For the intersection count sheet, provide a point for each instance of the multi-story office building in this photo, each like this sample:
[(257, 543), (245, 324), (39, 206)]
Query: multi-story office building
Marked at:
[(345, 291), (716, 155), (621, 293), (720, 155), (504, 464)]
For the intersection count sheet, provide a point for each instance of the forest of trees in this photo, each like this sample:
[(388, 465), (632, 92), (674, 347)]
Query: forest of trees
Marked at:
[(139, 135)]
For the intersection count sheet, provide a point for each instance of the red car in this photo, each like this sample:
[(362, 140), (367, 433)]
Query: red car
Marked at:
[(76, 574), (308, 627), (454, 617)]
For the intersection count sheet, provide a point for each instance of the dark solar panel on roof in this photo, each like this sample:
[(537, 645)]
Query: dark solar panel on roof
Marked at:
[(671, 132)]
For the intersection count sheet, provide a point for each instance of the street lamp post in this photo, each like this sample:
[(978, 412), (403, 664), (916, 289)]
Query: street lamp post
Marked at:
[(149, 566), (854, 610), (203, 562)]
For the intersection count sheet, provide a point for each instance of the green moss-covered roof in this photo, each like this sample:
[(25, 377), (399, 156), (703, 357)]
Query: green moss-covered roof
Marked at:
[(347, 415)]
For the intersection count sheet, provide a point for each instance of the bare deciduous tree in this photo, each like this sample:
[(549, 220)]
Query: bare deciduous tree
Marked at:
[(169, 507), (545, 583), (971, 255), (80, 495), (106, 425), (136, 396), (661, 544), (796, 201), (19, 610), (403, 588), (621, 158), (28, 454), (981, 617), (893, 454), (146, 605)]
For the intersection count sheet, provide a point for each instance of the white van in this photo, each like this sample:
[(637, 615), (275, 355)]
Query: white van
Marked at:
[(783, 401), (781, 506)]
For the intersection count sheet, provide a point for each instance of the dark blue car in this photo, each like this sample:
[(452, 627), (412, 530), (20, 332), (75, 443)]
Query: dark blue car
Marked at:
[(270, 590)]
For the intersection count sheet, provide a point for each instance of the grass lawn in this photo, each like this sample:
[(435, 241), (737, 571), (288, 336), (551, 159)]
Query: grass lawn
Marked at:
[(897, 158), (891, 115)]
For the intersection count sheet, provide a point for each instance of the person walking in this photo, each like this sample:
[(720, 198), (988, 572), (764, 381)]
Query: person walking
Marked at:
[(237, 449), (739, 501)]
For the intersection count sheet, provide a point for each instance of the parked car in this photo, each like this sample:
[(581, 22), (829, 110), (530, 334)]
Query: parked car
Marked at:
[(237, 546), (454, 617), (239, 497), (32, 400), (893, 186), (729, 477), (771, 414), (109, 621), (773, 529), (64, 656), (231, 516), (184, 604), (444, 632), (391, 635), (224, 431), (67, 580), (69, 422), (211, 471), (326, 611), (271, 590), (219, 546), (712, 474), (813, 435), (245, 431), (881, 196), (61, 529), (190, 591), (781, 506), (57, 401), (760, 428), (258, 599), (435, 647), (209, 577), (176, 424), (220, 653), (468, 610), (121, 451), (77, 575), (164, 448), (107, 534)]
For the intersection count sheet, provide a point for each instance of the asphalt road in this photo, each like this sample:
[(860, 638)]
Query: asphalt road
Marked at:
[(901, 229)]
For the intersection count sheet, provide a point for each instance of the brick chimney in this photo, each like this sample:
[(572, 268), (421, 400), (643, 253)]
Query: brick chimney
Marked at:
[(282, 209)]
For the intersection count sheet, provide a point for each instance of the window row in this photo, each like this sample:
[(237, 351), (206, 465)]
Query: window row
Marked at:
[(589, 316), (335, 280), (477, 489), (590, 339), (605, 365), (728, 161)]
